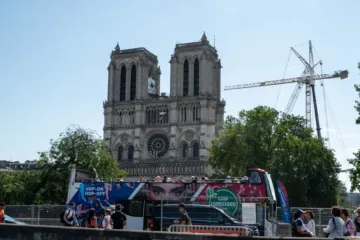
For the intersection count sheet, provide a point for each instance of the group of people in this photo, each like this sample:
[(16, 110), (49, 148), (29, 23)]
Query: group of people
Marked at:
[(113, 219), (339, 225)]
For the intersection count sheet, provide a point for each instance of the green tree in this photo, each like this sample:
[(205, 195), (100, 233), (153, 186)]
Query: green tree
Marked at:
[(343, 196), (19, 187), (75, 146), (281, 144), (355, 161)]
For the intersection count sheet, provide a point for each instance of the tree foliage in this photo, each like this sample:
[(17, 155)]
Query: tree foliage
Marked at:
[(281, 144), (49, 184), (19, 187), (355, 161)]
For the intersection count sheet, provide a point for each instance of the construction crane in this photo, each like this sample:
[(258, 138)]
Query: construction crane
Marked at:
[(307, 78)]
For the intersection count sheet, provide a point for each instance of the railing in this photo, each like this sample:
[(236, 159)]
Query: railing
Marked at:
[(284, 230), (36, 214), (237, 230), (322, 215), (191, 168), (167, 160), (50, 215)]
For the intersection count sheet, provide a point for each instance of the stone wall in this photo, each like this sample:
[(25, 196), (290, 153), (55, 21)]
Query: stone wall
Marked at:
[(32, 232)]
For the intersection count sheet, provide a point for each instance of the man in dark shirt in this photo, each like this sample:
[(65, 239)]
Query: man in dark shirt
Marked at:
[(184, 217), (118, 219)]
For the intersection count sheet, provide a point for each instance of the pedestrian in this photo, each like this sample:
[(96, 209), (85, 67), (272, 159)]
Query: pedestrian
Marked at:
[(91, 220), (2, 212), (118, 219), (349, 224), (357, 225), (106, 223), (309, 216), (336, 226), (228, 180), (112, 209), (69, 217), (184, 217), (299, 228)]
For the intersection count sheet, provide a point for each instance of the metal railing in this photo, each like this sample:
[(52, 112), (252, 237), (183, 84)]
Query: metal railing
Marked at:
[(36, 214), (322, 215), (284, 230), (238, 230), (50, 215)]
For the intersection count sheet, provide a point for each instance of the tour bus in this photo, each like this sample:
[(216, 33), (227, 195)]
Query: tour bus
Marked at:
[(251, 200)]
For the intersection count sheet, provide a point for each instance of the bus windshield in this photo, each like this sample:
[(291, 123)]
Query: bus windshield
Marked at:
[(270, 186)]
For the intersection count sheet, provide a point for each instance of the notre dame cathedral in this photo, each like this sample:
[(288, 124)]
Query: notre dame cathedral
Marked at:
[(152, 134)]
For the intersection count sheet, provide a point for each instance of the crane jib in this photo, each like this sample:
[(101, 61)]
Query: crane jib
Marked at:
[(305, 79)]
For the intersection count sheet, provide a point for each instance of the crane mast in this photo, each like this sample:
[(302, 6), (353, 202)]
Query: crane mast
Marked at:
[(308, 79)]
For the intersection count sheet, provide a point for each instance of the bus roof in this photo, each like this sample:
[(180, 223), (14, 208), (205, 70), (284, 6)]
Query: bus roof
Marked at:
[(258, 170)]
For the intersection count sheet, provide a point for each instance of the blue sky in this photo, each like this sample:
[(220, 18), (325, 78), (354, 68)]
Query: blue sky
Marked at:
[(54, 55)]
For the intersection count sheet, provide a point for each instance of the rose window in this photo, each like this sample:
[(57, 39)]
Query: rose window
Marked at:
[(158, 145)]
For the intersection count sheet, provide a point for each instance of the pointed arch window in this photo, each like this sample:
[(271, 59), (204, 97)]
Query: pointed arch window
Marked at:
[(122, 83), (184, 150), (195, 150), (186, 79), (196, 77), (133, 83), (120, 153), (131, 153)]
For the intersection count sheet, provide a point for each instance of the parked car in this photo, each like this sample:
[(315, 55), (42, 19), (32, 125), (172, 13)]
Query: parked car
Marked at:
[(200, 215), (11, 220)]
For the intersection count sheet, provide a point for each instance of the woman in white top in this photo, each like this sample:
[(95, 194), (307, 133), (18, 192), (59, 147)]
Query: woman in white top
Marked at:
[(336, 227), (309, 215), (106, 222)]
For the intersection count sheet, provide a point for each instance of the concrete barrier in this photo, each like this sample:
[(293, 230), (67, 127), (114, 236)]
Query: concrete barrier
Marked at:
[(33, 232)]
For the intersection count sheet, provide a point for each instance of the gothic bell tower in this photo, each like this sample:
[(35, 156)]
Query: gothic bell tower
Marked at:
[(153, 134), (133, 79)]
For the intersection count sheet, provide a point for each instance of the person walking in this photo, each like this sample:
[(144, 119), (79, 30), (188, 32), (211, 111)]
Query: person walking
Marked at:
[(336, 226), (309, 216), (357, 225), (91, 219), (2, 212), (349, 224), (69, 217), (118, 219), (299, 228), (184, 218), (112, 209), (106, 223)]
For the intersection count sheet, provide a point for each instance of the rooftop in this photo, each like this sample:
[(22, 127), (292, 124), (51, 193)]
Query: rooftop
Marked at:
[(118, 51)]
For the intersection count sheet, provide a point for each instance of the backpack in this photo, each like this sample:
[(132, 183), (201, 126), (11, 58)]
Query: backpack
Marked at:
[(62, 214), (294, 229), (347, 233), (327, 234), (295, 233)]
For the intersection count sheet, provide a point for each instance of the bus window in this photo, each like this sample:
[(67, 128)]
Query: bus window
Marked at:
[(270, 187), (255, 177), (136, 208)]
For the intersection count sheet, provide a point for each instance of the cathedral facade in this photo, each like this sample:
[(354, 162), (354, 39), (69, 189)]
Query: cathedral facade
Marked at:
[(153, 134)]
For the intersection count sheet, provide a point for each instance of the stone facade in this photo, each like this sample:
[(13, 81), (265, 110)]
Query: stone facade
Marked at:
[(153, 134)]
